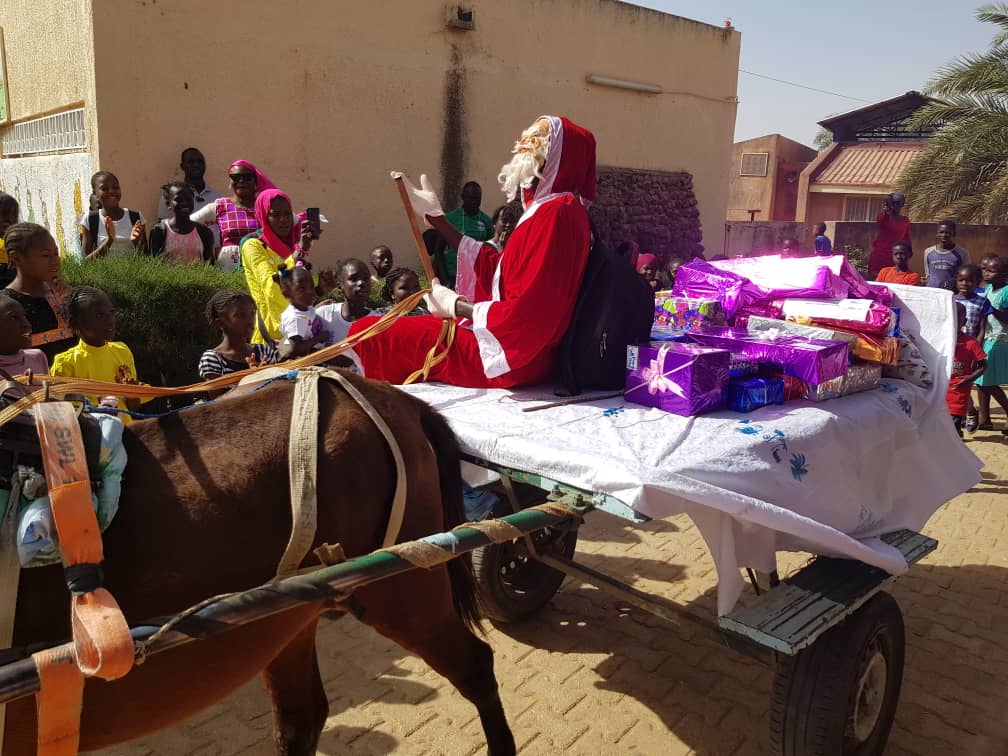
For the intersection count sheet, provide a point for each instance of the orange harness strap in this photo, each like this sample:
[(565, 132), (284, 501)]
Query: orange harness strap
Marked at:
[(103, 646)]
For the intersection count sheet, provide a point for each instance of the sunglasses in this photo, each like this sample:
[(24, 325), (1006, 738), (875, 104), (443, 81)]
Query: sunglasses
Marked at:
[(236, 177)]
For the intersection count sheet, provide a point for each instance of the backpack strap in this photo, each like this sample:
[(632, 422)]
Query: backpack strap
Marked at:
[(92, 224)]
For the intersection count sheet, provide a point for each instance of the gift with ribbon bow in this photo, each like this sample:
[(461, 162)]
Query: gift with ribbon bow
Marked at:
[(685, 379)]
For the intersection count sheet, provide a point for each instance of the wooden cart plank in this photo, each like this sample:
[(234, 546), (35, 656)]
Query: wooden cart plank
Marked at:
[(793, 615)]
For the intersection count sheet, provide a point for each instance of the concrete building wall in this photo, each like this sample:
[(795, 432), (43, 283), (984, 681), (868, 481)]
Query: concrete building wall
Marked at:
[(772, 194), (822, 206), (326, 99), (50, 57)]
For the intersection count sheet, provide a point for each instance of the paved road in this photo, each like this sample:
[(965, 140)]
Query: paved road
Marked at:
[(588, 676)]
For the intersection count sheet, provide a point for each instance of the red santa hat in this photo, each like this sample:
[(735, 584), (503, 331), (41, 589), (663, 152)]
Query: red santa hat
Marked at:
[(570, 162)]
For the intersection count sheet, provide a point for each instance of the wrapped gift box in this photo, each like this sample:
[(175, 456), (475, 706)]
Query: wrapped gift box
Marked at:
[(859, 377), (776, 277), (687, 314), (812, 360), (747, 394), (881, 349), (681, 378), (861, 315)]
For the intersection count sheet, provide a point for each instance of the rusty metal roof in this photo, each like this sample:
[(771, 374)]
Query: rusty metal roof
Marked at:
[(869, 165)]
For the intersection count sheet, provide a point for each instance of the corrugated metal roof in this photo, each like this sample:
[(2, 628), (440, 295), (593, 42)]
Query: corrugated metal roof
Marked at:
[(878, 164)]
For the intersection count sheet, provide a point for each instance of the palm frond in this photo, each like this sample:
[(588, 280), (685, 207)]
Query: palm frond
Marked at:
[(978, 73), (997, 14)]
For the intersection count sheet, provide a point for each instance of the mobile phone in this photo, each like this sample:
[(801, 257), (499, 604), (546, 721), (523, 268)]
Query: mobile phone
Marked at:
[(314, 221)]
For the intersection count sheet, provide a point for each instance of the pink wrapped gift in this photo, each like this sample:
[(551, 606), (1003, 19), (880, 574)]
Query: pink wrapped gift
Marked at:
[(777, 277), (861, 315)]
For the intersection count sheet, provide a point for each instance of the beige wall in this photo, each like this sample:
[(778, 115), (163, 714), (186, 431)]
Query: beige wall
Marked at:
[(327, 98), (50, 57), (757, 192), (824, 207)]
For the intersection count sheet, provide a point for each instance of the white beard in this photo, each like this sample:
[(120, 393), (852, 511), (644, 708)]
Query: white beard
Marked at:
[(519, 174), (529, 157)]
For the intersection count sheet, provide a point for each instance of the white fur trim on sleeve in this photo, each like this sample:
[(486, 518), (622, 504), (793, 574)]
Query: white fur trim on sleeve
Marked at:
[(492, 355), (465, 276)]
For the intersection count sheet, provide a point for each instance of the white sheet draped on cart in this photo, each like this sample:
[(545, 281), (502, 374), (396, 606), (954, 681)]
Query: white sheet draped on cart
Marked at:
[(825, 477)]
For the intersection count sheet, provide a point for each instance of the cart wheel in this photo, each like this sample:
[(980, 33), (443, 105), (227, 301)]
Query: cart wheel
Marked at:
[(838, 697), (514, 585)]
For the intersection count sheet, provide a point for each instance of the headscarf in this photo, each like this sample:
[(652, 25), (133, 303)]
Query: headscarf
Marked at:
[(262, 181), (647, 259), (283, 247)]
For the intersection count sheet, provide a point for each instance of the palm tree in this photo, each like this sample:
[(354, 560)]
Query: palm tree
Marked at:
[(962, 172)]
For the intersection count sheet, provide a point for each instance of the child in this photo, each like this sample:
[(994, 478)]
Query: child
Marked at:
[(179, 237), (647, 266), (90, 314), (985, 261), (790, 247), (944, 258), (300, 325), (822, 243), (16, 355), (968, 364), (899, 272), (381, 261), (977, 307), (671, 268), (234, 314), (355, 286), (399, 284), (996, 342), (36, 262), (111, 228), (8, 217)]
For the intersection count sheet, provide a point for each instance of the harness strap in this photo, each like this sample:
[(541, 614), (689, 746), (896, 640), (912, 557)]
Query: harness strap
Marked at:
[(59, 703), (303, 465), (102, 643)]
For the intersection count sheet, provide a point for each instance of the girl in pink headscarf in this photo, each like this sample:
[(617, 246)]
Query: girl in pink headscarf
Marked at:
[(235, 215), (282, 241)]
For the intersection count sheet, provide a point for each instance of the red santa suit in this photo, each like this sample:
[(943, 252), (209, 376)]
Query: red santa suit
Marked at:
[(523, 296)]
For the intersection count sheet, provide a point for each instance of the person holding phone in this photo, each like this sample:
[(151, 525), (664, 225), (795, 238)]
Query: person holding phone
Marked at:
[(893, 227), (283, 241)]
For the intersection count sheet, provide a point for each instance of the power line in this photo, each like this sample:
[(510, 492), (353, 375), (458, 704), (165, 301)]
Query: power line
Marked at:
[(802, 86)]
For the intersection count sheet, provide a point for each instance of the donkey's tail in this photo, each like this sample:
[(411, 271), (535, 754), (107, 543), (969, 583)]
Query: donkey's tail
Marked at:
[(464, 593)]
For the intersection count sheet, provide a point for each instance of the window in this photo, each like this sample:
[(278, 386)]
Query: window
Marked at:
[(54, 133), (754, 163), (862, 208)]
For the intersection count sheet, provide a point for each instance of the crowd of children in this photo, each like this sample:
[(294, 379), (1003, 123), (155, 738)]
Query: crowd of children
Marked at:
[(73, 330)]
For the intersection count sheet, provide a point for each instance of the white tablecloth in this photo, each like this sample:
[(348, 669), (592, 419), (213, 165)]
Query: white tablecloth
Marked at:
[(825, 477)]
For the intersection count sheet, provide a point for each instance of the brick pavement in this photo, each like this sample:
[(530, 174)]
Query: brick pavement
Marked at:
[(589, 676)]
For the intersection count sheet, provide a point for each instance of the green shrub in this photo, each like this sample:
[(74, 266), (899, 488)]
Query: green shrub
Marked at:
[(159, 309), (857, 257)]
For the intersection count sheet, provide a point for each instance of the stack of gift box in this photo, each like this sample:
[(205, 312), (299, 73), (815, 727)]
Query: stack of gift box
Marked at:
[(750, 332)]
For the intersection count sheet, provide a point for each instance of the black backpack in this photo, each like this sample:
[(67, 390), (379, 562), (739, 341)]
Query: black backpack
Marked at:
[(614, 308)]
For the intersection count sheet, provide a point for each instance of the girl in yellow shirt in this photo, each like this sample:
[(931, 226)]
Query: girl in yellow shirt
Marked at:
[(90, 314)]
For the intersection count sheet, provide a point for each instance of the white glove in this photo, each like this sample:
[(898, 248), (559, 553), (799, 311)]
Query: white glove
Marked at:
[(424, 200), (441, 300)]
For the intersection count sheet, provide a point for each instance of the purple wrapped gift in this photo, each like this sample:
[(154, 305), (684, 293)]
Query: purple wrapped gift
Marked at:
[(698, 279), (685, 379), (812, 360)]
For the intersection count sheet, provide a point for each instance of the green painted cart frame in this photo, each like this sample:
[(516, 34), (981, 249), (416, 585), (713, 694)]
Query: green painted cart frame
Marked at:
[(833, 635)]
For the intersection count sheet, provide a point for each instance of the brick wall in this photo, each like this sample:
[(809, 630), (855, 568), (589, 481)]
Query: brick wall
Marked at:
[(658, 210)]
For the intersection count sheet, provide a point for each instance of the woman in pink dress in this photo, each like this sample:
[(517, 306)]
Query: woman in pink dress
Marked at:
[(892, 227), (235, 215)]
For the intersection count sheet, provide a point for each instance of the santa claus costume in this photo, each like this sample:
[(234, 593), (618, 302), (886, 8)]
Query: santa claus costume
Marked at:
[(532, 284)]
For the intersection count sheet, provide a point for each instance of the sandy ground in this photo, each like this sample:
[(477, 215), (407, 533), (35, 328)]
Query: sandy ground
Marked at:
[(589, 676)]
